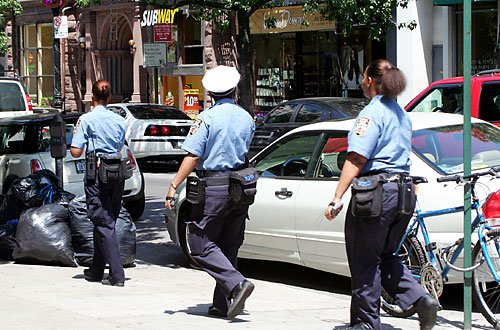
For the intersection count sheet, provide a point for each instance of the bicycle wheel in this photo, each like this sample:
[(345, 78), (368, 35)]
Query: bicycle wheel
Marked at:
[(412, 255), (486, 291)]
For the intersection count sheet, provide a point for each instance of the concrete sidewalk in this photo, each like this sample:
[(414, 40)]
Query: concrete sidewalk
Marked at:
[(155, 297)]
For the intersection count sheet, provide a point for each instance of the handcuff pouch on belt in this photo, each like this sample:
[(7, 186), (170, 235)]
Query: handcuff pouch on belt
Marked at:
[(243, 186), (195, 190), (111, 168), (366, 201)]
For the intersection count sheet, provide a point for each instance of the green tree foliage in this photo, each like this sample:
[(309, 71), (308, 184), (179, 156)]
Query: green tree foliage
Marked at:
[(8, 8)]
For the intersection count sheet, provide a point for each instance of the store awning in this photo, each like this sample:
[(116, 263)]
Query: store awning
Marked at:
[(456, 2)]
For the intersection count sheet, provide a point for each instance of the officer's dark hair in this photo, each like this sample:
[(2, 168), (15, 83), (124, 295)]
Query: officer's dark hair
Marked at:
[(389, 80), (226, 95), (101, 91)]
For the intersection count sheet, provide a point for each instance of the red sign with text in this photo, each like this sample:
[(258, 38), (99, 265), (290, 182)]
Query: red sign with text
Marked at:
[(163, 32), (191, 99)]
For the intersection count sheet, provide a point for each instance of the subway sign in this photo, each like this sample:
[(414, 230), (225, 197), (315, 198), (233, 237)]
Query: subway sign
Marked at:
[(158, 16)]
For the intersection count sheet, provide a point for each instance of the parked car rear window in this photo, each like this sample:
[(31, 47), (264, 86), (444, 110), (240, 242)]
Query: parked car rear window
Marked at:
[(149, 112), (351, 107), (11, 97), (443, 147), (489, 104)]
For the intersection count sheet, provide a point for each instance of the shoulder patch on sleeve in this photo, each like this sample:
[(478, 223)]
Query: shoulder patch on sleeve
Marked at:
[(196, 126), (75, 129), (361, 125)]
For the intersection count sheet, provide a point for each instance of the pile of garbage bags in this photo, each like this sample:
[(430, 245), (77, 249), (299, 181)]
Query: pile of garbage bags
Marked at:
[(43, 224)]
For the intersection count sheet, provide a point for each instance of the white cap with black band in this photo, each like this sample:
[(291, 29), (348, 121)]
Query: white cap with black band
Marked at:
[(221, 80)]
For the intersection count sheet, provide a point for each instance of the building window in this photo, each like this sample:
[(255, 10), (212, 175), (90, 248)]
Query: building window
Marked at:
[(37, 67), (484, 33), (191, 35)]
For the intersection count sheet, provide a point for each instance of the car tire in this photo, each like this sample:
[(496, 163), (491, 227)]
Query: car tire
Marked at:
[(136, 207), (8, 182)]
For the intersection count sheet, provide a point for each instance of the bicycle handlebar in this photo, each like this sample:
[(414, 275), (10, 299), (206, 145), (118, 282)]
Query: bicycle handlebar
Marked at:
[(471, 177)]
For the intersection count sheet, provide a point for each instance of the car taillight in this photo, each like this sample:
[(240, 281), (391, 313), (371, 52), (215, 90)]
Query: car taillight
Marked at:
[(132, 160), (157, 130), (28, 98), (491, 209), (35, 166), (165, 130)]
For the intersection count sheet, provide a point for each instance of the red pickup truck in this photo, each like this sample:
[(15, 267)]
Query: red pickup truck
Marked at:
[(446, 95)]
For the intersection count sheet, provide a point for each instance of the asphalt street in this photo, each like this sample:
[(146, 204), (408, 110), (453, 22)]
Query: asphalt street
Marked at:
[(161, 292)]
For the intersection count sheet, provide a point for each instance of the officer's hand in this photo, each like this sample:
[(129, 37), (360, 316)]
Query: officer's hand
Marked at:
[(170, 200), (332, 211)]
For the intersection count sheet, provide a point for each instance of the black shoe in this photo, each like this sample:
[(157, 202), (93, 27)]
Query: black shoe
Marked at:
[(427, 308), (239, 294), (108, 281), (90, 276), (214, 311), (360, 326)]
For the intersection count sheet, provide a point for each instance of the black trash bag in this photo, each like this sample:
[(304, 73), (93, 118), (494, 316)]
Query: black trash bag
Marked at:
[(7, 239), (35, 190), (64, 197), (82, 230), (43, 237), (126, 230)]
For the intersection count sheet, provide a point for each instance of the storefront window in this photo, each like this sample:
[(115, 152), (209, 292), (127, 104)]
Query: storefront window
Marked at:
[(484, 33), (293, 65), (37, 66)]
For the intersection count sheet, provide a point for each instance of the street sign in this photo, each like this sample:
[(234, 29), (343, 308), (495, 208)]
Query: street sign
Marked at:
[(163, 32), (155, 54)]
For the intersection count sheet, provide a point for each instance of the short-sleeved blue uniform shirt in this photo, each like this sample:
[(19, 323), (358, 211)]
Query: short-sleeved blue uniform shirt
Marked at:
[(220, 136), (101, 130), (382, 134)]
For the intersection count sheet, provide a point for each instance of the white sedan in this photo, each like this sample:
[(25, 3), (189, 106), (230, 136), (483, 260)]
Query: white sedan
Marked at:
[(300, 171), (154, 131)]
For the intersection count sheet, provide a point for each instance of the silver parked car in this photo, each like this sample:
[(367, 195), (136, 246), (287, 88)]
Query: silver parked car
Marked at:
[(25, 149)]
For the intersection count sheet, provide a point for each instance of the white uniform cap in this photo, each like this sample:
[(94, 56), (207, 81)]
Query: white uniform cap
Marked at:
[(221, 80)]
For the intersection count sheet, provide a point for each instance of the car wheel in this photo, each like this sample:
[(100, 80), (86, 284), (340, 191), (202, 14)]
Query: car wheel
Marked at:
[(136, 207), (8, 182)]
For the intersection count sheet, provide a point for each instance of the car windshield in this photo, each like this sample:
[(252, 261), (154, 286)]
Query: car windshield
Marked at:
[(350, 107), (11, 97), (156, 112), (442, 147)]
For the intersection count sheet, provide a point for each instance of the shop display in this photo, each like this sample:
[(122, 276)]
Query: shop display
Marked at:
[(272, 85)]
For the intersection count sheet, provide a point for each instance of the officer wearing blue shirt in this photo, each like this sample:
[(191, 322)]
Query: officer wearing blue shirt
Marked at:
[(102, 131), (379, 148), (218, 143)]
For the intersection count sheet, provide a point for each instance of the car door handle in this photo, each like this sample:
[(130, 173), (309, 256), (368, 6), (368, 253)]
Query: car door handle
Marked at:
[(283, 192)]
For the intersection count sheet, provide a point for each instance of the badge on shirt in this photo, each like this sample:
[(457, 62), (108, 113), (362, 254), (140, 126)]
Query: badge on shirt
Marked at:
[(196, 126), (361, 125)]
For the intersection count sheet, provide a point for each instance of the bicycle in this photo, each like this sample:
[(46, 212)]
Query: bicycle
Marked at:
[(431, 268)]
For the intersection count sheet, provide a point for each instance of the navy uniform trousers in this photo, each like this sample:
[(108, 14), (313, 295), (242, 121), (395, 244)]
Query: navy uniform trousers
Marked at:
[(214, 240), (103, 207), (370, 245)]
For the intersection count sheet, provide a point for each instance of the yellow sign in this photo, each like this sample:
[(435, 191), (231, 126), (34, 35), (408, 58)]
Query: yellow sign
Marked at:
[(158, 16), (288, 19)]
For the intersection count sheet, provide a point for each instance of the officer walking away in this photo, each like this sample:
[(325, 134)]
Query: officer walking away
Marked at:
[(102, 132), (377, 166), (217, 146)]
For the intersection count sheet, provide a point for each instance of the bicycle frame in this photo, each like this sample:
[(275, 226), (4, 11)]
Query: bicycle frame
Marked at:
[(419, 224)]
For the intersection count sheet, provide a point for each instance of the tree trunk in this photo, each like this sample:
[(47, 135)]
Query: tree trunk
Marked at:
[(246, 86)]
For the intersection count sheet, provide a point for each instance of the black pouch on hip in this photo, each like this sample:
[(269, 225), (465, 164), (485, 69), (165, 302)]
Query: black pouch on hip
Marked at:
[(405, 195), (110, 168), (243, 186), (195, 190), (366, 201)]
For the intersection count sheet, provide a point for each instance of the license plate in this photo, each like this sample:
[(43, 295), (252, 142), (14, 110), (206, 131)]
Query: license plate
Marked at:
[(177, 144), (80, 166)]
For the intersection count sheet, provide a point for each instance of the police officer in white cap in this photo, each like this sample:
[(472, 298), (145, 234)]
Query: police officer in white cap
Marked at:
[(217, 144)]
